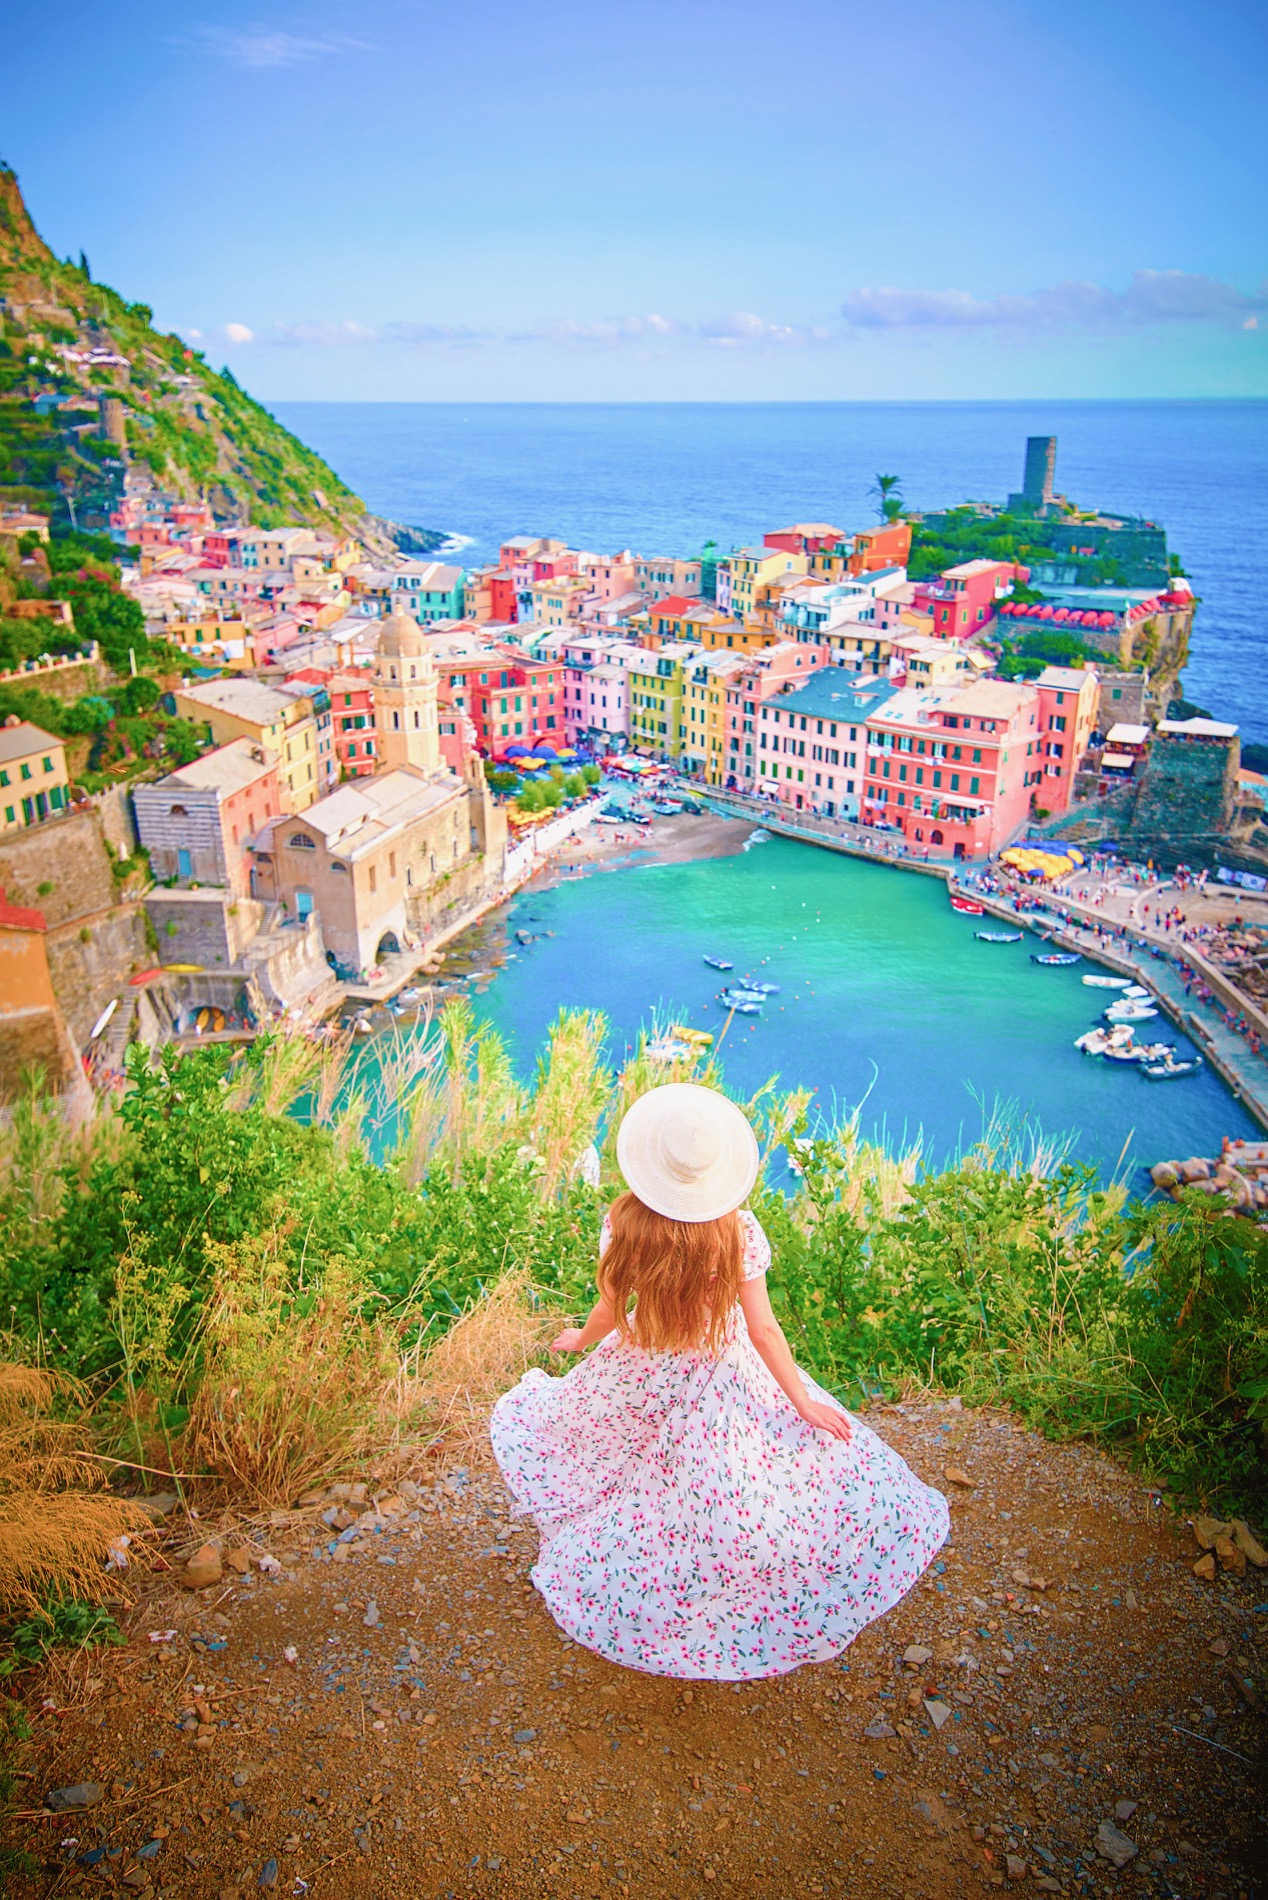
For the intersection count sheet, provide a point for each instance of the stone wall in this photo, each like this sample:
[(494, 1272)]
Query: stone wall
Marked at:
[(1188, 789), (60, 679), (91, 962), (210, 928), (65, 853)]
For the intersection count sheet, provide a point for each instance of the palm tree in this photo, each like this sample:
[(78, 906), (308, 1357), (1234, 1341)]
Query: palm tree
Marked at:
[(885, 492)]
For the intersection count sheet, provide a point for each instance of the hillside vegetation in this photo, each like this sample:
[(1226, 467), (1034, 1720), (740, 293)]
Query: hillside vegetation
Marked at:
[(195, 428), (227, 1225)]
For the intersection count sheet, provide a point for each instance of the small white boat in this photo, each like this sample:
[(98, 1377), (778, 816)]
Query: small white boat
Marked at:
[(719, 963), (103, 1019), (1137, 991), (1107, 982), (744, 993), (1129, 1013), (1102, 1042)]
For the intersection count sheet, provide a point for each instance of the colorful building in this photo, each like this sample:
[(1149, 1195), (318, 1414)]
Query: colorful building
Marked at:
[(34, 783), (812, 742), (804, 537), (430, 590), (874, 548), (953, 770), (197, 823), (774, 670), (704, 709), (1069, 698), (514, 699), (656, 698), (284, 723), (965, 599), (354, 730), (746, 573)]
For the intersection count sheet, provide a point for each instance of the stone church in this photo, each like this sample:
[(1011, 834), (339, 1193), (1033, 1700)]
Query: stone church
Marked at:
[(388, 863)]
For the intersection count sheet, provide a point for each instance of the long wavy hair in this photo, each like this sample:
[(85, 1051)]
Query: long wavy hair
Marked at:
[(684, 1276)]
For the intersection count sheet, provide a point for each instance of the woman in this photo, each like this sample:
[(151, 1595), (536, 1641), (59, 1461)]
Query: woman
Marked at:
[(705, 1510)]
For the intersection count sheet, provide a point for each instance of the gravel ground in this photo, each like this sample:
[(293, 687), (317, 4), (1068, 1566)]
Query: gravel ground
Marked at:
[(1067, 1680)]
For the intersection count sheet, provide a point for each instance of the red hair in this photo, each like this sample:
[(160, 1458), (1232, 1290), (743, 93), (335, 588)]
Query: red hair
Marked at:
[(684, 1275)]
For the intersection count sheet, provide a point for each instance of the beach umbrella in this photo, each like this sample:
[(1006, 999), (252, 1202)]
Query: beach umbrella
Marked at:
[(516, 752), (545, 752)]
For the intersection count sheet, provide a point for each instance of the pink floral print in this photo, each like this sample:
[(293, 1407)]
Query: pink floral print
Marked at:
[(692, 1524)]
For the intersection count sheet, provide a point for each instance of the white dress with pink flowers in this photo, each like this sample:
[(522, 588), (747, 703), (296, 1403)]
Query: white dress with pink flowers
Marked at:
[(692, 1524)]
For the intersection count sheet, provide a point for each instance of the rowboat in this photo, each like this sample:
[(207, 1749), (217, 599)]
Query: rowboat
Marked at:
[(1107, 982), (1062, 959), (998, 936), (1170, 1071), (968, 906), (759, 989), (741, 1005), (719, 963)]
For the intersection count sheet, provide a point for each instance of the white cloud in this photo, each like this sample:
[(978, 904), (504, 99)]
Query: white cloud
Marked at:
[(1152, 296), (321, 332), (265, 48), (743, 330), (605, 333), (238, 333)]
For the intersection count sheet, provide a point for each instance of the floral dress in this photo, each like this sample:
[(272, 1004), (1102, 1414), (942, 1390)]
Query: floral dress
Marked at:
[(692, 1524)]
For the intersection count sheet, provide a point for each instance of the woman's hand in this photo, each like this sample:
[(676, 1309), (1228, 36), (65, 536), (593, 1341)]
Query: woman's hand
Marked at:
[(568, 1341), (826, 1418)]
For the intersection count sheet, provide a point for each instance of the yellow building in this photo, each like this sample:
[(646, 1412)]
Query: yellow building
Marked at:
[(752, 570), (210, 640), (285, 722), (33, 777), (656, 699), (704, 714)]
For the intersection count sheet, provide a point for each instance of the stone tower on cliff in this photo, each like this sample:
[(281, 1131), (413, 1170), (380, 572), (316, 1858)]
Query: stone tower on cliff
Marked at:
[(405, 697)]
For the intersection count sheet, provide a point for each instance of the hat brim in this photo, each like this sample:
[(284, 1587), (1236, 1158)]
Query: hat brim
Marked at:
[(722, 1188)]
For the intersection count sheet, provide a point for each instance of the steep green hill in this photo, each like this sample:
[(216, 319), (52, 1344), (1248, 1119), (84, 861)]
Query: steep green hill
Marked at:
[(69, 425)]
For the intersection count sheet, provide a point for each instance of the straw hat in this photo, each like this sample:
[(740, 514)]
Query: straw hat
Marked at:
[(687, 1152)]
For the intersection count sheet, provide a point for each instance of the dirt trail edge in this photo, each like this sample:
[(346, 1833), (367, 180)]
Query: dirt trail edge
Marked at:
[(1061, 1705)]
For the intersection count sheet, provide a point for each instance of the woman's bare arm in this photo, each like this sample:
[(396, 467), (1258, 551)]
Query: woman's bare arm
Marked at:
[(767, 1336), (576, 1338)]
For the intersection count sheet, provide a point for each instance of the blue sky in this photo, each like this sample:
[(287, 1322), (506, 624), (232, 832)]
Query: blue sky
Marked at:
[(699, 199)]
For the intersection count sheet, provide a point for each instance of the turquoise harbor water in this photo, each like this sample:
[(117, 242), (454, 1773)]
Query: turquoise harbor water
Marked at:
[(886, 994)]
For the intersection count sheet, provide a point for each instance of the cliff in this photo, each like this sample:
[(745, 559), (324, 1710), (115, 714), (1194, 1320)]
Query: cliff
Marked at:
[(88, 387)]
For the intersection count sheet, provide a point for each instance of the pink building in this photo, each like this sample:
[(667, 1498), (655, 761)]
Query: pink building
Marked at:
[(964, 600), (953, 770), (804, 537), (772, 670), (1068, 700), (596, 691)]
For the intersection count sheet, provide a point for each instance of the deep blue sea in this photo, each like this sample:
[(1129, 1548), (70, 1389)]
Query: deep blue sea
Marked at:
[(664, 478)]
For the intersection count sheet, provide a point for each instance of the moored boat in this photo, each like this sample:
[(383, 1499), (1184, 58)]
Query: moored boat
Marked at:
[(968, 906), (719, 963), (1134, 1012), (741, 1005), (1062, 959), (1170, 1070), (998, 936), (1107, 982)]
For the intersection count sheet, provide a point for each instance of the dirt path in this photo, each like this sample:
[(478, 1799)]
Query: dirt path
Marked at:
[(437, 1736)]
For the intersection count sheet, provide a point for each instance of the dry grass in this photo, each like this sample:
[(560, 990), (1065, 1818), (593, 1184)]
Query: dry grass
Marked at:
[(57, 1524), (447, 1398), (290, 1379)]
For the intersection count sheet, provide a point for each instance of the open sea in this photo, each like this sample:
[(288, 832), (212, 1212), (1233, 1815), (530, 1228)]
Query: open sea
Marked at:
[(664, 478), (887, 999)]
